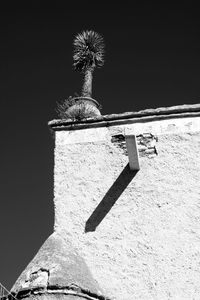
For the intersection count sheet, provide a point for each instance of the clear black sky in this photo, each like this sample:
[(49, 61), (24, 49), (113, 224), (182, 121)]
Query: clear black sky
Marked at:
[(152, 60)]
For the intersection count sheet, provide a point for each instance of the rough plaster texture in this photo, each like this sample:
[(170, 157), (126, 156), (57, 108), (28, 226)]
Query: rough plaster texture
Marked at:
[(139, 233), (125, 234)]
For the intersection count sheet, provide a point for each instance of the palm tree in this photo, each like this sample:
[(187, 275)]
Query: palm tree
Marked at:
[(88, 54)]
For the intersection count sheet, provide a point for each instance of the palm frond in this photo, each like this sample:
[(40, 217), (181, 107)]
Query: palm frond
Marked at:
[(88, 51)]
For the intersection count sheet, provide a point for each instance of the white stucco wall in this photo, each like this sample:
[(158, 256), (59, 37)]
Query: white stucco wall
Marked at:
[(142, 240)]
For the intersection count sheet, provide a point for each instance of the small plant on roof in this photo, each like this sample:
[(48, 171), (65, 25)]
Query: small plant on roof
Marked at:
[(88, 54), (75, 110)]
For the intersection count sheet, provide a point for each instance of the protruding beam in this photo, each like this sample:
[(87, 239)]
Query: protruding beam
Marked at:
[(133, 156)]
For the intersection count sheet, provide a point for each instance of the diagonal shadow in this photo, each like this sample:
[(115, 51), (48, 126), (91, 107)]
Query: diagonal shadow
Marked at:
[(110, 198)]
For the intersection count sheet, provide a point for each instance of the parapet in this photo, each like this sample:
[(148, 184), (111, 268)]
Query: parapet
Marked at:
[(143, 116)]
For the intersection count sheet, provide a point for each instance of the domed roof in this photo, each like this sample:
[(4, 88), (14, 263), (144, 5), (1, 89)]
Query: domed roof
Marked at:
[(57, 269)]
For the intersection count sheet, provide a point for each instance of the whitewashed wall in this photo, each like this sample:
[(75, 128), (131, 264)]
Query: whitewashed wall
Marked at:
[(139, 232)]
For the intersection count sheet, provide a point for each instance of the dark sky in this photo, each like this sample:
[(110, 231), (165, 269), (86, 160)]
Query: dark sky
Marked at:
[(152, 60)]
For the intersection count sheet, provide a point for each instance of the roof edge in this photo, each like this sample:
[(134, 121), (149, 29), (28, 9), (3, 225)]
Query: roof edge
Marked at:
[(73, 290), (147, 115)]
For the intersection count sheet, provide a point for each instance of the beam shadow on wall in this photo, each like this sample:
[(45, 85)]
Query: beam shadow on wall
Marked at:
[(110, 198)]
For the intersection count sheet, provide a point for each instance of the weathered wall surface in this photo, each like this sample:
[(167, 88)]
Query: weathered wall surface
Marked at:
[(139, 232), (57, 271)]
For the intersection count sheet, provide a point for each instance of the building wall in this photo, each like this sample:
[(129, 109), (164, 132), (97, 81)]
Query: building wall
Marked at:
[(139, 232)]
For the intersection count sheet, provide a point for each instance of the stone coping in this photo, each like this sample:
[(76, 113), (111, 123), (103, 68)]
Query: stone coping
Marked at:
[(54, 290), (147, 115)]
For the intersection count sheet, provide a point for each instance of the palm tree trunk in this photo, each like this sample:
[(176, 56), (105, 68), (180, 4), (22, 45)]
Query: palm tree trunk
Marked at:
[(87, 84)]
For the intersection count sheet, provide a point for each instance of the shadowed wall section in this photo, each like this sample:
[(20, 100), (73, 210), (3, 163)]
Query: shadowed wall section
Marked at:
[(110, 198)]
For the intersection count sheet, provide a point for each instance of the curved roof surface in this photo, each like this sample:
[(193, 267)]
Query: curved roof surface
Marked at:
[(57, 269)]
